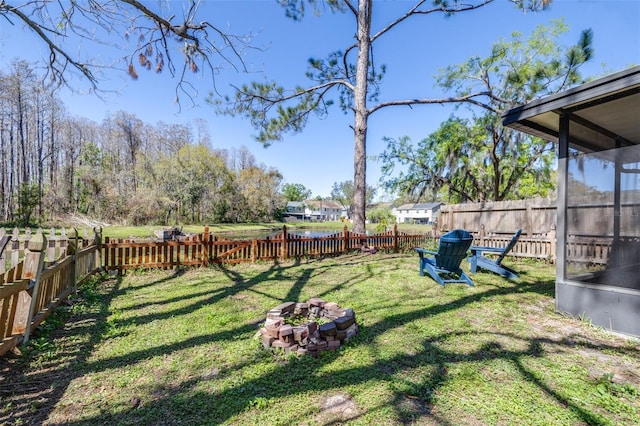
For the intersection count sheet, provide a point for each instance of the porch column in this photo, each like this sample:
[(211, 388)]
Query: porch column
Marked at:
[(561, 203)]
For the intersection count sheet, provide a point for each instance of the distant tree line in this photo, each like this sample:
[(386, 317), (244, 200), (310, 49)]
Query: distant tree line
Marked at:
[(120, 170)]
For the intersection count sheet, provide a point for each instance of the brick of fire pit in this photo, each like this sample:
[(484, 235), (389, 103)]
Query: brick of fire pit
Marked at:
[(316, 302), (267, 341), (345, 335), (342, 323), (286, 333), (272, 326), (301, 309), (315, 312), (331, 314), (328, 329), (313, 327), (333, 344), (283, 310), (331, 306), (352, 331), (280, 344), (300, 333), (320, 345)]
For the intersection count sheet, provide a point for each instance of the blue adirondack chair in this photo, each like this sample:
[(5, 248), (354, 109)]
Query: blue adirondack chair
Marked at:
[(493, 264), (444, 265)]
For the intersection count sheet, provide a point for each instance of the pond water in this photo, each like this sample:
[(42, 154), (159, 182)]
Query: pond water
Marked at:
[(250, 235)]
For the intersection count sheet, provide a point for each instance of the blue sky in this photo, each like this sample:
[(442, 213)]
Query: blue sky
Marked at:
[(323, 153)]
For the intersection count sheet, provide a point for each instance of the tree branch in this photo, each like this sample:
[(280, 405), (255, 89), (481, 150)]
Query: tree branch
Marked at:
[(459, 99), (415, 10), (53, 47)]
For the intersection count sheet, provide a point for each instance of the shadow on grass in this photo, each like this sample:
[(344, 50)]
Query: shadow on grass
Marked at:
[(33, 392), (299, 376), (308, 375)]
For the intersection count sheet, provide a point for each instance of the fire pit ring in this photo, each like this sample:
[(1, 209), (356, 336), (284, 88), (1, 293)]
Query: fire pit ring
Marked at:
[(308, 328)]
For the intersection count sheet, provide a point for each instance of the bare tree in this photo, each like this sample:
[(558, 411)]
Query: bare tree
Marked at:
[(163, 34)]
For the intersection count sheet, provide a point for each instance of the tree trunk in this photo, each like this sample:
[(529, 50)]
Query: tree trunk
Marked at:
[(361, 117)]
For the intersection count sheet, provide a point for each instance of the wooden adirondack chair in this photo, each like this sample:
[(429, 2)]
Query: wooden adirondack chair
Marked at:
[(444, 265), (493, 264)]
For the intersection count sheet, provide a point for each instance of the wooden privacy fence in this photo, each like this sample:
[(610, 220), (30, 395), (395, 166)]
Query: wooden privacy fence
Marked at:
[(32, 289), (534, 216)]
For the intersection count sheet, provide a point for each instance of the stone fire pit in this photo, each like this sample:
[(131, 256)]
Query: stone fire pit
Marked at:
[(308, 328)]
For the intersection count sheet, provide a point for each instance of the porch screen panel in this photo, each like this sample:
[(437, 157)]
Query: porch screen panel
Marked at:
[(590, 198), (603, 217)]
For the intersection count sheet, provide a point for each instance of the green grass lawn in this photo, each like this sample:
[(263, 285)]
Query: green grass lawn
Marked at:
[(179, 349)]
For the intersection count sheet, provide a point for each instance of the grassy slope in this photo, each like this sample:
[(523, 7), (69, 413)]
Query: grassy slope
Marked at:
[(164, 348)]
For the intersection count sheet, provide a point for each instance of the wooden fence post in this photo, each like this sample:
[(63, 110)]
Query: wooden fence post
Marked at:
[(15, 247), (51, 246), (284, 252), (64, 242), (72, 249), (254, 250), (4, 242), (395, 238), (214, 247), (551, 236), (345, 239), (107, 259), (27, 237), (205, 247), (482, 235), (33, 264), (97, 234)]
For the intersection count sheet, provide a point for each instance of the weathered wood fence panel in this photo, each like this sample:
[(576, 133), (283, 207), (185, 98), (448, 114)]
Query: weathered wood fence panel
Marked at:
[(541, 246), (129, 254), (589, 238), (15, 244), (535, 216), (33, 288)]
